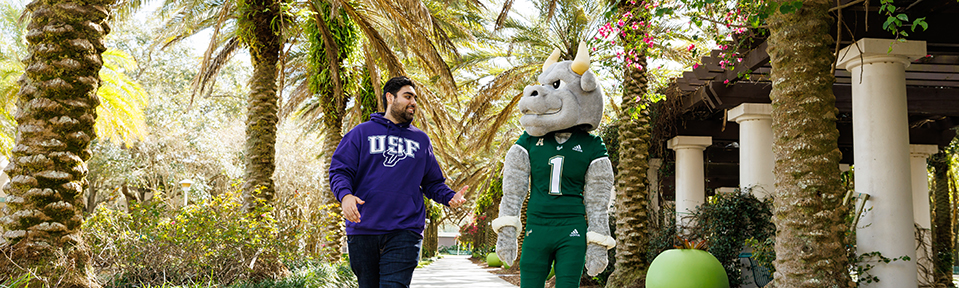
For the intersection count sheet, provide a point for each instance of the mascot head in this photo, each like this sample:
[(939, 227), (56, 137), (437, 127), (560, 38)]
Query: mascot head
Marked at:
[(567, 97)]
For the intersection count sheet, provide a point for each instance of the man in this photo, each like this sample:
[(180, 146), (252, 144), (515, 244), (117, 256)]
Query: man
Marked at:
[(380, 172)]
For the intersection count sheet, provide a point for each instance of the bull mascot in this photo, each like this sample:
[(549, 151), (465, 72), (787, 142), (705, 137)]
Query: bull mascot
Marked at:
[(567, 174)]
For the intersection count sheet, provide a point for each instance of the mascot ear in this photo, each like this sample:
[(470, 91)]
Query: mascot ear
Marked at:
[(588, 81)]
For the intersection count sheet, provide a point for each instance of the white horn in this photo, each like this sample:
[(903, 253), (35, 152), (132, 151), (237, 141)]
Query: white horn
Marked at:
[(551, 60), (581, 63)]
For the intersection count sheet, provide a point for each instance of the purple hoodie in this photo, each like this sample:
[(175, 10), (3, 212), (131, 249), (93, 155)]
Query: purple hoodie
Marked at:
[(390, 166)]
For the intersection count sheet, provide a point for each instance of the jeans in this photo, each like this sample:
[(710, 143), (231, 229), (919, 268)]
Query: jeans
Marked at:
[(384, 261)]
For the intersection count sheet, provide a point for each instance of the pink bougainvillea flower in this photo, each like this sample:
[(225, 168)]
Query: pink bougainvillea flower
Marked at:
[(726, 81), (695, 65), (691, 47)]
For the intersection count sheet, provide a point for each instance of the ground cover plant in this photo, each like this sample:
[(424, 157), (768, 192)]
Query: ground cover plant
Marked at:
[(214, 241)]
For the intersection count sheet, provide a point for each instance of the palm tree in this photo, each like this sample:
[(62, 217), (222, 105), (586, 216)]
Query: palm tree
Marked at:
[(259, 24), (119, 117), (332, 40), (631, 191), (57, 104), (807, 154), (375, 21)]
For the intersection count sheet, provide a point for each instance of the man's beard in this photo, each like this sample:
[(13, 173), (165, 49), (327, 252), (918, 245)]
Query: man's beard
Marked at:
[(400, 114)]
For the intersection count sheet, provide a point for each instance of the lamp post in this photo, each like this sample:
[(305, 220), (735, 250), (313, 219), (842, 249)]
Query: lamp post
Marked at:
[(185, 186)]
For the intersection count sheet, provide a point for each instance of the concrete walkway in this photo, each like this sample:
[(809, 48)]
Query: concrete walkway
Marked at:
[(456, 271)]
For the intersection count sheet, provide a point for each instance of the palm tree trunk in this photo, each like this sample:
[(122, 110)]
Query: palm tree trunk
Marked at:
[(492, 212), (431, 239), (259, 21), (632, 227), (807, 204), (333, 217), (331, 42), (942, 230), (260, 16), (56, 113)]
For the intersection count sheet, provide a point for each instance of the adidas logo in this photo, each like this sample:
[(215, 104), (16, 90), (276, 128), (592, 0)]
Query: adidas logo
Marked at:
[(578, 149), (575, 233)]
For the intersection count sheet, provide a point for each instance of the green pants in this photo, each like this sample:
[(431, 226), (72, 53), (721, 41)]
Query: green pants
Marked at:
[(547, 242)]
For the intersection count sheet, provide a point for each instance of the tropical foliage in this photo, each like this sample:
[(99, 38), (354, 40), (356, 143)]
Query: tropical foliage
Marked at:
[(267, 98)]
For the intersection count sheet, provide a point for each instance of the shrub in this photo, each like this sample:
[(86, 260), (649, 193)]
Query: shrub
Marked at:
[(727, 222), (214, 241), (319, 275), (476, 234)]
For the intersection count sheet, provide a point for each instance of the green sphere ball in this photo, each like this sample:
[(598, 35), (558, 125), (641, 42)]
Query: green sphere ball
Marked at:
[(686, 268), (492, 260)]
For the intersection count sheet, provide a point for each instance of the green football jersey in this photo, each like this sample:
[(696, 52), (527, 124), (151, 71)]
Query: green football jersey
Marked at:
[(558, 173)]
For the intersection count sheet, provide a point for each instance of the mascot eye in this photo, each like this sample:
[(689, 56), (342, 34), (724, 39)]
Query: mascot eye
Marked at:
[(559, 84)]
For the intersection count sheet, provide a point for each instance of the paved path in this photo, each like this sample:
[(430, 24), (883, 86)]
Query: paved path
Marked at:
[(454, 271)]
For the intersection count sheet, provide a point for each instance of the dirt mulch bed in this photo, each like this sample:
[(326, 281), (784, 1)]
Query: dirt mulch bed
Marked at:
[(511, 275)]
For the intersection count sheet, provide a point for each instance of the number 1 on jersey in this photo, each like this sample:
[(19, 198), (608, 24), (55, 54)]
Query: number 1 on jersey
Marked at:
[(555, 174)]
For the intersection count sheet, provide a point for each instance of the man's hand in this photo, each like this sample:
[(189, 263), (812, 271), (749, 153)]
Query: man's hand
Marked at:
[(350, 212), (458, 199)]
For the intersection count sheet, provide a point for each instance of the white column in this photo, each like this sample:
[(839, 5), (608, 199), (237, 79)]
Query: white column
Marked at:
[(690, 175), (920, 183), (652, 174), (881, 145), (920, 207), (756, 160)]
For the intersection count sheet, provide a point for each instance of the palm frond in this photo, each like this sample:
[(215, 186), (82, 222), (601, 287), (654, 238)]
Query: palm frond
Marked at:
[(209, 68), (120, 114), (375, 41), (501, 18)]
